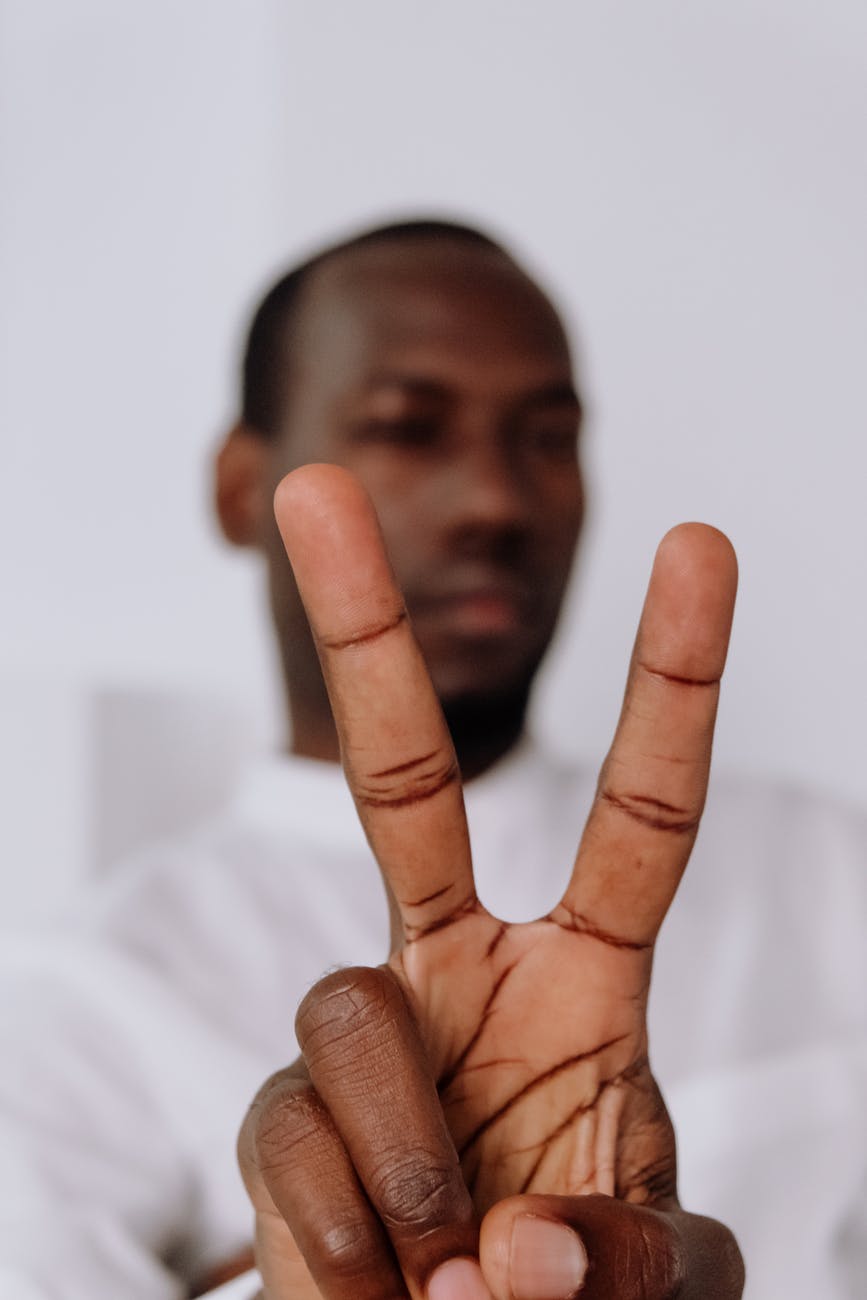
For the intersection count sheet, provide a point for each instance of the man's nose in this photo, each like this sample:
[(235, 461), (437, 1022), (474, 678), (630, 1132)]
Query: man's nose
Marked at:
[(487, 487)]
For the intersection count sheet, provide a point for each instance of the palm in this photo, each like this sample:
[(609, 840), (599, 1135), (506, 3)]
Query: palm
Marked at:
[(536, 1032), (537, 1037)]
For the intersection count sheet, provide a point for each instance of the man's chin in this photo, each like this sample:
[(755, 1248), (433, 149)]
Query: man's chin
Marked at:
[(481, 667), (485, 716), (484, 689)]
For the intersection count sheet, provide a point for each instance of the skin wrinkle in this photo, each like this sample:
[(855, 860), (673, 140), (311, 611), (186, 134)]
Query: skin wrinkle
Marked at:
[(343, 1042), (366, 1008), (495, 942), (272, 1092), (581, 1109), (489, 1065), (653, 1179), (581, 925), (625, 1076), (293, 1122), (487, 1009), (416, 1192), (428, 898), (404, 767), (413, 933), (625, 804), (418, 792), (530, 1087), (606, 1143), (348, 1246), (660, 804), (671, 1286), (363, 637), (677, 680)]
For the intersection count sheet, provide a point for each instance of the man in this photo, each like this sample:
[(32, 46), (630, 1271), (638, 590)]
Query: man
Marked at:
[(426, 362), (464, 429), (488, 1059)]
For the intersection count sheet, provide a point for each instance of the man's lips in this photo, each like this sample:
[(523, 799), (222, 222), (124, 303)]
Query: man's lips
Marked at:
[(481, 613), (475, 609)]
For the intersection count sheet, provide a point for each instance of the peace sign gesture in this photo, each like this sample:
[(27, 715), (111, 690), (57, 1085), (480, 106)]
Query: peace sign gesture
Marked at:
[(488, 1061)]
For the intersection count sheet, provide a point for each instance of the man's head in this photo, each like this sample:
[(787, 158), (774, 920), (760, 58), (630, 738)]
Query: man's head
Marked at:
[(422, 358)]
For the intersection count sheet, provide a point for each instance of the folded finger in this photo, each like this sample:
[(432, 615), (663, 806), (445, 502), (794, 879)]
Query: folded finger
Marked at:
[(653, 783), (397, 753), (369, 1066), (317, 1237)]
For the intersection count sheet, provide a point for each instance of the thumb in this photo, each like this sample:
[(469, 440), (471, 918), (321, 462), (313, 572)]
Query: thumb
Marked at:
[(594, 1247)]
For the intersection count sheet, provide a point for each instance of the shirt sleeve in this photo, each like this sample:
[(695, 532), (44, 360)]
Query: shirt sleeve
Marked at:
[(93, 1184), (245, 1287)]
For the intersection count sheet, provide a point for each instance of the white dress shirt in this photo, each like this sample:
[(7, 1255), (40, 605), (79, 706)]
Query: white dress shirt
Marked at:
[(134, 1036)]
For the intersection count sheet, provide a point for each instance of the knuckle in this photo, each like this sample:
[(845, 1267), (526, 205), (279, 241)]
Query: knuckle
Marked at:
[(662, 1266), (650, 1258), (261, 1103), (733, 1261), (416, 1193), (687, 1256), (349, 1247), (346, 1006), (288, 1118), (725, 1261), (733, 1267), (663, 1260)]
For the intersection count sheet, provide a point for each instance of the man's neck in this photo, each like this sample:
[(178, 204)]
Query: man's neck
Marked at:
[(483, 732)]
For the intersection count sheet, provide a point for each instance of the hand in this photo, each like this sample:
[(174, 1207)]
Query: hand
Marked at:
[(489, 1069)]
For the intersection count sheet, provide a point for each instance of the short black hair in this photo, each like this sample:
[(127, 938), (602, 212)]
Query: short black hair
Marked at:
[(263, 367)]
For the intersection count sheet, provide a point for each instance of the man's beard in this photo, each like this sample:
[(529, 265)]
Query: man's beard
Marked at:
[(482, 722)]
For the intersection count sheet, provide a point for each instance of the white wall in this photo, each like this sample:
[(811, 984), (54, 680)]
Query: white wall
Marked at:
[(689, 178)]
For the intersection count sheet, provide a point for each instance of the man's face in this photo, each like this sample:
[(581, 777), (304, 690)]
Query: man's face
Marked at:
[(441, 377)]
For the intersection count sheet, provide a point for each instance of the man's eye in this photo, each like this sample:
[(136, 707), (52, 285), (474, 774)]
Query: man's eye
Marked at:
[(411, 431), (559, 443)]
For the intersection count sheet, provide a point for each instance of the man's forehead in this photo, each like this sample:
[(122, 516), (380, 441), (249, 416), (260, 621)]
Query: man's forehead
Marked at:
[(414, 297)]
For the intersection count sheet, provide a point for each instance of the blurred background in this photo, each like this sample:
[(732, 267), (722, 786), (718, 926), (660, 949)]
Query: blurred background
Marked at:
[(688, 179)]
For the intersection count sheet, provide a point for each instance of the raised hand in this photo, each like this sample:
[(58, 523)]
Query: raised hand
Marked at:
[(488, 1061)]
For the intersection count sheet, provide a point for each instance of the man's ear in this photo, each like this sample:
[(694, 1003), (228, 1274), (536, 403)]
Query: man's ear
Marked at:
[(240, 485)]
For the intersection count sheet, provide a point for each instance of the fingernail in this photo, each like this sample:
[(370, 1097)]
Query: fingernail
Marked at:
[(547, 1260), (458, 1279)]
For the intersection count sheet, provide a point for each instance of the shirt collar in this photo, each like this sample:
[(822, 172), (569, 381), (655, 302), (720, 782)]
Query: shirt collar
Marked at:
[(285, 794)]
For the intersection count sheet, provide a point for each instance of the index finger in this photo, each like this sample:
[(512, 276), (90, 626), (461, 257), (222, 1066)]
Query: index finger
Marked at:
[(653, 784), (396, 749)]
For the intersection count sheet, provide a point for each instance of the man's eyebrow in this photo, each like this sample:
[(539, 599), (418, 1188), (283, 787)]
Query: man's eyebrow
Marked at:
[(557, 394), (414, 385)]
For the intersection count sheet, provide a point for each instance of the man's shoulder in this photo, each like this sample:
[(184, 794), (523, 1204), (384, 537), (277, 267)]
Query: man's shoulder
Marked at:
[(241, 909), (762, 952), (778, 886), (282, 812), (789, 826)]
